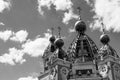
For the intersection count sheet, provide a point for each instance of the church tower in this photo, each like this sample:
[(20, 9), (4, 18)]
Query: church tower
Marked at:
[(108, 59), (82, 54), (55, 64), (82, 60)]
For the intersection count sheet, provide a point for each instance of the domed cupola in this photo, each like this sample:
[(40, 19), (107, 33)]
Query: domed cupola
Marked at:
[(59, 43), (51, 47), (106, 49), (82, 46), (80, 27)]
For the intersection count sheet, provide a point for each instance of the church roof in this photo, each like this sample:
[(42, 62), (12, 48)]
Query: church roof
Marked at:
[(108, 50), (82, 45)]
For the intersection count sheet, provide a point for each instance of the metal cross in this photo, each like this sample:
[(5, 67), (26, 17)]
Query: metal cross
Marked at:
[(79, 10), (103, 26), (59, 29)]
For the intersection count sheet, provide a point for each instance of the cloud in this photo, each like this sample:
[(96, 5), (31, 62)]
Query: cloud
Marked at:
[(12, 57), (20, 36), (68, 16), (4, 4), (1, 23), (109, 11), (65, 6), (28, 78), (5, 35), (33, 48), (36, 47)]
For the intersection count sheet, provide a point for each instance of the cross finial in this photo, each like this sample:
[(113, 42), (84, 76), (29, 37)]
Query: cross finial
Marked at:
[(79, 11), (59, 29), (52, 29), (103, 26)]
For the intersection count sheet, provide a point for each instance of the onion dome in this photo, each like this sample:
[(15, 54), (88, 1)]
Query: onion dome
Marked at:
[(59, 43), (106, 49), (52, 39), (80, 26), (104, 39), (51, 47)]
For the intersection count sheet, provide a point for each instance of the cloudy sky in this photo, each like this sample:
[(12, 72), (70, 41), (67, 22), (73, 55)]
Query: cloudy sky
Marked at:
[(25, 29)]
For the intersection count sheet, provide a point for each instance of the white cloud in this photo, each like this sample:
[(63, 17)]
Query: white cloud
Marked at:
[(68, 16), (12, 57), (28, 78), (5, 35), (4, 4), (33, 48), (109, 11), (60, 5), (20, 36), (36, 47), (1, 23)]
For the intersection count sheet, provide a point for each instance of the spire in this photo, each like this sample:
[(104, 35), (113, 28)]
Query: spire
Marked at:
[(82, 49), (79, 12), (80, 25), (102, 26), (59, 32), (59, 43), (104, 38), (52, 38), (106, 49)]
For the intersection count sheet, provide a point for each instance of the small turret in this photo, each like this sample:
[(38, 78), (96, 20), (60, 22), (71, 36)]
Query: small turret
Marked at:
[(106, 49), (52, 39), (80, 26), (59, 43), (104, 38)]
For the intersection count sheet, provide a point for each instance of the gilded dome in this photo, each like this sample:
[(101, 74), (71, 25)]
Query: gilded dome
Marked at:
[(104, 39), (59, 43), (52, 39), (80, 26)]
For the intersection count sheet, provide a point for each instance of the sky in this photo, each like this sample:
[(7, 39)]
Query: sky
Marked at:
[(25, 30)]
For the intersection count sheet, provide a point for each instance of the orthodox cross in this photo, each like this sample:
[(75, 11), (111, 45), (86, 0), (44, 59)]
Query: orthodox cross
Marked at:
[(59, 30), (79, 11), (103, 26)]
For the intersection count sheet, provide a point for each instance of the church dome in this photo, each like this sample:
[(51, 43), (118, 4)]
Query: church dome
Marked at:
[(80, 26), (52, 39), (83, 45), (104, 39), (106, 49), (59, 43)]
